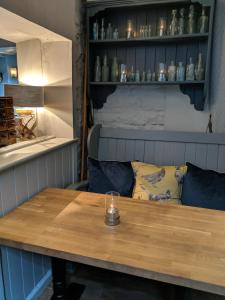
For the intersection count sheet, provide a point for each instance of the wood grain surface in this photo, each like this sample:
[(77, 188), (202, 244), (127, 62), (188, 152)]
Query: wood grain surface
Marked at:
[(174, 244)]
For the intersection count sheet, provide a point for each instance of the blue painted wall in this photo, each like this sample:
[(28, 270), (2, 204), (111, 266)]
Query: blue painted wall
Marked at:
[(7, 62), (2, 296)]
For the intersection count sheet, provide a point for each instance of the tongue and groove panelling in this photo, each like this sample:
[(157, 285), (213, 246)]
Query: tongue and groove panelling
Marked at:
[(24, 272)]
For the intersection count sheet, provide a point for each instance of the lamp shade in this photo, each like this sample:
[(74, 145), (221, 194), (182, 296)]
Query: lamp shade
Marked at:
[(25, 96)]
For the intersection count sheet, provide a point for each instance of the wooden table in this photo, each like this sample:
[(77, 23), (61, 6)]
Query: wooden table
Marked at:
[(174, 244)]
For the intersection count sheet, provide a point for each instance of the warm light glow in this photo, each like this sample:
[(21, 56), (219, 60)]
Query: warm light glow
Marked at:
[(13, 72), (33, 80)]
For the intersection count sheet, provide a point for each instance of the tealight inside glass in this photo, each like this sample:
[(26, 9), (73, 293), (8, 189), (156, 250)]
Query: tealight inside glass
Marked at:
[(112, 217)]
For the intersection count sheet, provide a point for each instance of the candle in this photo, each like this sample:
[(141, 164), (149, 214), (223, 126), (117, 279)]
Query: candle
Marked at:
[(129, 29), (112, 216)]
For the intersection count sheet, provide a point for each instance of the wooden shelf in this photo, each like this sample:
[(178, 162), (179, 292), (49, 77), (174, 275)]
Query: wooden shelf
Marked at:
[(149, 83), (155, 39)]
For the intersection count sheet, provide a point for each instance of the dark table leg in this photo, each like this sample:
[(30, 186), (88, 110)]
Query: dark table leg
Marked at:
[(59, 278), (60, 289)]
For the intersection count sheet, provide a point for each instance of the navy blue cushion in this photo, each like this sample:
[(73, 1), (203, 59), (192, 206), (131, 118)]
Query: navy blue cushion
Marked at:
[(106, 176), (203, 188)]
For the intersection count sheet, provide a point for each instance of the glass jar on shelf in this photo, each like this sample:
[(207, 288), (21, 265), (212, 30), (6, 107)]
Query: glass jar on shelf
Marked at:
[(172, 71), (181, 22), (97, 75), (161, 28), (190, 70), (162, 72), (173, 26), (191, 23), (180, 71), (199, 69), (115, 70), (203, 22)]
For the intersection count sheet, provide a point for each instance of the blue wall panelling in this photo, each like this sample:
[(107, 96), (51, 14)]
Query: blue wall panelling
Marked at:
[(25, 273)]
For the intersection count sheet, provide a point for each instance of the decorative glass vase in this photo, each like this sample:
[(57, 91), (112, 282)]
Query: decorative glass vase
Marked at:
[(123, 73), (137, 76), (95, 31), (109, 32), (161, 29), (103, 30), (200, 70), (149, 76), (105, 70), (181, 22), (172, 72), (115, 34), (97, 76), (190, 70), (191, 25), (180, 72), (130, 34), (115, 70), (173, 27), (203, 23), (162, 72)]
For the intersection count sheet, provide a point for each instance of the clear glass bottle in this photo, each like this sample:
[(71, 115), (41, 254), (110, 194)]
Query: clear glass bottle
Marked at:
[(95, 31), (109, 32), (132, 74), (105, 70), (103, 30), (149, 30), (153, 76), (162, 72), (149, 76), (203, 22), (143, 76), (115, 34), (141, 32), (173, 27), (123, 73), (97, 75), (180, 71), (181, 22), (199, 69), (115, 70), (172, 71), (190, 70), (146, 31), (137, 76), (161, 28), (191, 24)]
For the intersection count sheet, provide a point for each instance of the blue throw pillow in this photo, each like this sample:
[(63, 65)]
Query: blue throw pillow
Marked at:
[(106, 176), (203, 188)]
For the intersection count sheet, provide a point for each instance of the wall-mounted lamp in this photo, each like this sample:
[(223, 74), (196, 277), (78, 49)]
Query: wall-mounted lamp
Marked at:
[(1, 76), (13, 72)]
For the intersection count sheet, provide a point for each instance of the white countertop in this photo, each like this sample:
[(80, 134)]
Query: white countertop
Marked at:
[(14, 157)]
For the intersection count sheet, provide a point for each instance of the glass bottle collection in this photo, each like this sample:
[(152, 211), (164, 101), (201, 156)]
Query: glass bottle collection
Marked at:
[(121, 73), (182, 21)]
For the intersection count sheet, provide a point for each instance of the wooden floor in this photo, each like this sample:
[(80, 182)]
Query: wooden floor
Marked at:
[(47, 294)]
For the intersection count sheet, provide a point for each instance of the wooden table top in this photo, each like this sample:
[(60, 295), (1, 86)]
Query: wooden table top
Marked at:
[(169, 243)]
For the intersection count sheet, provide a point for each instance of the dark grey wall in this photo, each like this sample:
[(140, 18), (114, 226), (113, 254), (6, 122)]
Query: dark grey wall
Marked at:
[(218, 73)]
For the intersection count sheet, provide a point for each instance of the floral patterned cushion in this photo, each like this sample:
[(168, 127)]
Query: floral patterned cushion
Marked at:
[(158, 183)]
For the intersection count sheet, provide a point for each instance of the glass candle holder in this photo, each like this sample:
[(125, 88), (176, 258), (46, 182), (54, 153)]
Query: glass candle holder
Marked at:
[(112, 216), (129, 30), (161, 29), (123, 73), (162, 72)]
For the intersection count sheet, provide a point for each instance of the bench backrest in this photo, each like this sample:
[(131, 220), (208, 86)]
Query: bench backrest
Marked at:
[(158, 147)]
